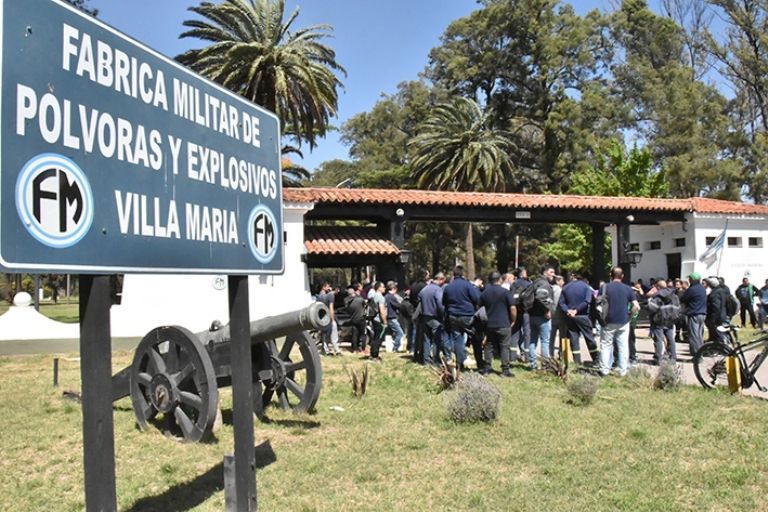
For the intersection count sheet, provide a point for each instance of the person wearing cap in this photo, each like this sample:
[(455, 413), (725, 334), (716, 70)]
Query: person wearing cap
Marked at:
[(695, 301)]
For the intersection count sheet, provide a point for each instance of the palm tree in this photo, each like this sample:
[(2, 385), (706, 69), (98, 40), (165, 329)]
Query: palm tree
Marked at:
[(254, 53), (456, 149)]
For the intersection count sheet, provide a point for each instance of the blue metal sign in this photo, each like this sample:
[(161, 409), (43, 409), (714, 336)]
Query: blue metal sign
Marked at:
[(114, 158)]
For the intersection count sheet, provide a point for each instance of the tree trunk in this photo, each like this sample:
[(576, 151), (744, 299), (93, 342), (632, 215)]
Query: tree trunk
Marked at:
[(470, 269)]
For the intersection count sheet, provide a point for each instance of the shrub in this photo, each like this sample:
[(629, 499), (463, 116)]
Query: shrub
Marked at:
[(582, 389), (639, 377), (669, 377), (473, 399)]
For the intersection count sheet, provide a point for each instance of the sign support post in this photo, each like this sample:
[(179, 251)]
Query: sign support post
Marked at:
[(96, 377), (242, 394)]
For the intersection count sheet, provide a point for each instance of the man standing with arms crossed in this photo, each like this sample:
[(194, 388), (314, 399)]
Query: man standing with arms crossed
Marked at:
[(622, 304)]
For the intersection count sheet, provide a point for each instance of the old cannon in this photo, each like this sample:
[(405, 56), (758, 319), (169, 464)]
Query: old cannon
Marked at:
[(175, 375)]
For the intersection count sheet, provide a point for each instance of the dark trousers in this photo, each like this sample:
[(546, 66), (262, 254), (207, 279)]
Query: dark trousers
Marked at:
[(418, 341), (579, 326), (477, 338), (433, 340), (378, 337), (502, 340), (357, 332), (744, 308)]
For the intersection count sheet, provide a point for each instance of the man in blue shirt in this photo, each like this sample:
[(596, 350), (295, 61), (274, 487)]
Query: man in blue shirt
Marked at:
[(431, 300), (695, 301), (501, 311), (622, 304), (575, 301), (460, 300)]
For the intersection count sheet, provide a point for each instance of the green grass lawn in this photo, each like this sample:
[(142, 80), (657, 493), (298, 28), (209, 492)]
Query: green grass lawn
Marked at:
[(633, 449), (62, 312)]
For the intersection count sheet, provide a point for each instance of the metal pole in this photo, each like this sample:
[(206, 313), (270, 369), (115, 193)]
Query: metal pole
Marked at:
[(96, 376), (37, 292), (517, 251), (242, 394), (55, 371)]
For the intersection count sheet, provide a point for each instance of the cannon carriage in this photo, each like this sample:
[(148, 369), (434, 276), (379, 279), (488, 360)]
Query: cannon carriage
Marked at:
[(175, 375)]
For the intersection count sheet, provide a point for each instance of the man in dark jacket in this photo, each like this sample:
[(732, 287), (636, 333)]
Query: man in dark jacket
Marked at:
[(355, 306), (521, 331), (417, 335), (716, 312), (695, 302), (541, 314), (460, 300), (746, 293), (664, 310)]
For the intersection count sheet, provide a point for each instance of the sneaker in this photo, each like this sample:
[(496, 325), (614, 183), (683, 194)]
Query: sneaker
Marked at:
[(506, 373)]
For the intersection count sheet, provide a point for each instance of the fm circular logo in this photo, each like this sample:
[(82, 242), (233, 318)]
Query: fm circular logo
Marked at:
[(54, 200), (262, 236)]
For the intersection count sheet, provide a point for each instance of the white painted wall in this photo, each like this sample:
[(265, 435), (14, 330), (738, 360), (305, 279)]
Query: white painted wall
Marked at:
[(733, 263), (194, 301)]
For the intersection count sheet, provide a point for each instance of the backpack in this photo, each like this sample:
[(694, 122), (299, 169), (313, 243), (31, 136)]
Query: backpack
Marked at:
[(601, 307), (527, 297), (732, 306), (371, 310), (665, 312)]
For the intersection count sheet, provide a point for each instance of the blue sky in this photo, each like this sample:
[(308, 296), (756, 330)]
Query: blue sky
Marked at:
[(380, 43)]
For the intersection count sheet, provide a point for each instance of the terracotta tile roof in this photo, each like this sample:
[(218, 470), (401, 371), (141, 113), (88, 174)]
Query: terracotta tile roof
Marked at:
[(543, 201), (346, 240)]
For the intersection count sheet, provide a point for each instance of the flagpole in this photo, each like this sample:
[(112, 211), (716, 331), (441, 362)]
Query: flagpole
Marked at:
[(725, 243)]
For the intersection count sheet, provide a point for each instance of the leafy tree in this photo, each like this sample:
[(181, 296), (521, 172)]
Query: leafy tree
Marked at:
[(255, 53), (530, 61), (83, 6), (683, 121), (456, 149), (617, 174), (743, 58)]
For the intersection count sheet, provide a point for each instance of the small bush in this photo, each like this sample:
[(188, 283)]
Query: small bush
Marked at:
[(669, 377), (582, 389), (473, 399), (639, 377)]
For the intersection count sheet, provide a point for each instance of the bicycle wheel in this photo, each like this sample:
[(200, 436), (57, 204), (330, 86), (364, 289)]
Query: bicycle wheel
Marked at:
[(709, 365)]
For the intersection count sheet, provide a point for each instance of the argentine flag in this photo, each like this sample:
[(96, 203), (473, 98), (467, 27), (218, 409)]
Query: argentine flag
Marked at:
[(710, 255)]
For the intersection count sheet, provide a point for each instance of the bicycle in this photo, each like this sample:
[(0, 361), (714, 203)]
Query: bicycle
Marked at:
[(710, 361)]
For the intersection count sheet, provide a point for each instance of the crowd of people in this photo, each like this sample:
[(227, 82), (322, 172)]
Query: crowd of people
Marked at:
[(514, 317)]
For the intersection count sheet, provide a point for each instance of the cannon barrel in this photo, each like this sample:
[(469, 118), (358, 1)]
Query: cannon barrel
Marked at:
[(314, 316), (216, 341)]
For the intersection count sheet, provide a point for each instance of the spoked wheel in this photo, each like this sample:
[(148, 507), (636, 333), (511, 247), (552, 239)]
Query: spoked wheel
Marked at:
[(710, 365), (172, 375), (296, 373)]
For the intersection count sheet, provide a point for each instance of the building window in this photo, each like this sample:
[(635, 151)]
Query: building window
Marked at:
[(734, 241), (655, 245), (709, 240), (756, 242), (679, 242)]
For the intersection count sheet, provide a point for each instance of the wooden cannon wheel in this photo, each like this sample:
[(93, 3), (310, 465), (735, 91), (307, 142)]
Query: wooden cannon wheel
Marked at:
[(172, 375), (296, 374)]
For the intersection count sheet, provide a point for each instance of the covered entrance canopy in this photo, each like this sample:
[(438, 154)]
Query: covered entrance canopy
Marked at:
[(390, 209)]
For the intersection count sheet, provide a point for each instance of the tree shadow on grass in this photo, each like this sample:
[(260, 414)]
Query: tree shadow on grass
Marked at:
[(193, 493), (226, 416)]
